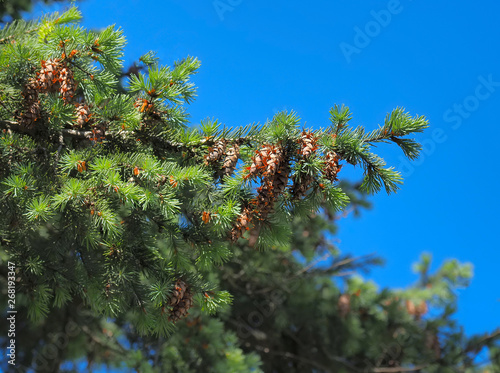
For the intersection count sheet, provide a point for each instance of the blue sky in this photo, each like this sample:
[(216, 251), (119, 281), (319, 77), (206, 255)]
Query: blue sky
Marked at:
[(435, 58)]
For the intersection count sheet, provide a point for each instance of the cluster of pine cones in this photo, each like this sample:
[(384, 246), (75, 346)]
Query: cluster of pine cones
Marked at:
[(417, 310), (271, 163), (54, 76), (225, 152), (181, 301)]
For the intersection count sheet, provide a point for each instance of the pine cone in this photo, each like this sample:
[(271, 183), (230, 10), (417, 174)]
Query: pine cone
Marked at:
[(83, 114), (301, 185), (416, 310), (302, 182), (31, 104), (231, 160), (344, 305), (67, 84), (242, 224), (332, 166), (273, 161), (410, 307), (178, 293), (259, 161), (273, 165), (421, 310), (181, 300), (147, 107), (49, 75), (307, 144), (274, 182), (432, 343), (30, 92), (281, 177), (216, 152)]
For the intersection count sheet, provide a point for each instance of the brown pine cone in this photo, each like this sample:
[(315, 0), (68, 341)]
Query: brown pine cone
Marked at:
[(216, 152), (178, 293), (410, 307), (417, 310), (344, 305), (231, 160), (242, 224), (30, 92), (273, 161), (181, 308), (67, 84), (301, 185), (432, 343), (31, 105), (49, 75), (281, 177), (83, 114), (307, 143), (332, 166), (30, 115), (259, 161)]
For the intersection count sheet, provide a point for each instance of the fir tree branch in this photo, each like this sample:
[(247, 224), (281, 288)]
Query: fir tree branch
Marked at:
[(118, 348), (351, 366), (478, 344), (416, 368), (341, 360), (312, 264), (13, 126), (12, 36), (289, 355), (61, 144), (348, 261)]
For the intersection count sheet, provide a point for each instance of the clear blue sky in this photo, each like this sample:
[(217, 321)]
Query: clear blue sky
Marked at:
[(436, 58)]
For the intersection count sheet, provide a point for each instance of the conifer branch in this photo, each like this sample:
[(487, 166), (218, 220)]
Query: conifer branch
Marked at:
[(13, 126), (416, 368), (11, 37), (117, 347), (479, 343), (289, 355)]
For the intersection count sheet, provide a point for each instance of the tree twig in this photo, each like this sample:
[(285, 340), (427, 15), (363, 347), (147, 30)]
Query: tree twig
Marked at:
[(312, 264), (483, 340), (81, 134), (416, 368)]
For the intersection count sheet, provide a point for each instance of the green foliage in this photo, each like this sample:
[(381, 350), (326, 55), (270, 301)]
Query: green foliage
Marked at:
[(121, 219), (354, 145)]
